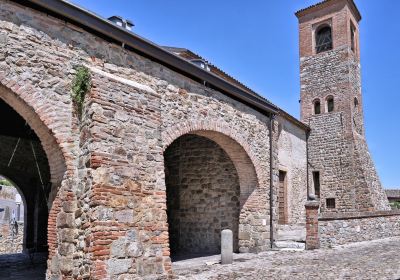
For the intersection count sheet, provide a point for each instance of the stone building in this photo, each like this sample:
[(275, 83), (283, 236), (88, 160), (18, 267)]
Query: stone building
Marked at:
[(163, 150)]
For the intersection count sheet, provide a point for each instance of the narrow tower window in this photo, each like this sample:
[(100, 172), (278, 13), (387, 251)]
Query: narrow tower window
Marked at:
[(317, 107), (317, 185), (323, 39), (355, 102), (353, 37), (330, 104)]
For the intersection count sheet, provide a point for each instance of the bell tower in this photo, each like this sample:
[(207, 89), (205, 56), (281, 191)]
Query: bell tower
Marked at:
[(342, 173)]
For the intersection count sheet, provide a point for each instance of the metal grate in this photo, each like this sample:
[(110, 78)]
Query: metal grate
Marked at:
[(330, 203)]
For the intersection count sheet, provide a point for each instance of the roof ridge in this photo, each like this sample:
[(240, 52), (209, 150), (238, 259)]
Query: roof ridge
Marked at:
[(325, 2), (248, 89)]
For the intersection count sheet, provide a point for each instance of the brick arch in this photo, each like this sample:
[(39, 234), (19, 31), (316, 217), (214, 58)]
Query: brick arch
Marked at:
[(236, 147), (34, 112)]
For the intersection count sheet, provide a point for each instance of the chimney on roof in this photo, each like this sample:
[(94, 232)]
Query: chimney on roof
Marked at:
[(124, 23)]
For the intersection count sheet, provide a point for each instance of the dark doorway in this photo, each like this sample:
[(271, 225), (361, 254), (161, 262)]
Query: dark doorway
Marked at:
[(202, 196), (282, 199), (24, 162)]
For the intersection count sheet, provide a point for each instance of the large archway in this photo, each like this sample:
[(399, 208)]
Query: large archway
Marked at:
[(25, 147), (209, 180)]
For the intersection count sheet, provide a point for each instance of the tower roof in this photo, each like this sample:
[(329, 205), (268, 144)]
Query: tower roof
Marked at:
[(326, 3)]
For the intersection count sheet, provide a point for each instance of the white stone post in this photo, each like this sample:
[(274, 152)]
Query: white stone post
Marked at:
[(226, 246)]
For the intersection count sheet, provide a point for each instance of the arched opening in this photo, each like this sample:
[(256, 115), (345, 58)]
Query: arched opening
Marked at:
[(209, 178), (323, 39), (24, 162), (330, 104), (12, 218), (317, 107), (355, 102), (353, 37)]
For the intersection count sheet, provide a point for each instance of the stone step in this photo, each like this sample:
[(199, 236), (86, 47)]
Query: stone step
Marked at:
[(291, 233), (289, 245)]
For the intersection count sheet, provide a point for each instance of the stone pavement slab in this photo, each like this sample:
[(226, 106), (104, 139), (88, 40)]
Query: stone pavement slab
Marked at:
[(379, 259)]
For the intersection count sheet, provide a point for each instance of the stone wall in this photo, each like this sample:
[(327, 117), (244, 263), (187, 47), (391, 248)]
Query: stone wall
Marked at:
[(329, 152), (202, 194), (35, 82), (10, 244), (339, 229), (292, 159)]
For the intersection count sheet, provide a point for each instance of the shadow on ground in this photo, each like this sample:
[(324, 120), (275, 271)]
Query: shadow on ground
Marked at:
[(21, 266)]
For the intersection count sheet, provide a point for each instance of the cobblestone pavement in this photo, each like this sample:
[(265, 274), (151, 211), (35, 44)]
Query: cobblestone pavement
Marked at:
[(379, 259), (20, 267)]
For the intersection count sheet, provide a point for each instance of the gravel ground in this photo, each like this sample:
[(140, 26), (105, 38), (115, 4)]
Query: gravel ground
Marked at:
[(379, 259)]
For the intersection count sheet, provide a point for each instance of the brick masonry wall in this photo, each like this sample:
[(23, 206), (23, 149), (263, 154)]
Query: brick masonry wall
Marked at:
[(339, 229), (203, 194), (35, 82), (293, 160), (312, 229)]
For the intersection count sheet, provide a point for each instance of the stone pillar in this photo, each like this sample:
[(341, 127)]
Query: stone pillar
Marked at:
[(312, 238), (226, 246)]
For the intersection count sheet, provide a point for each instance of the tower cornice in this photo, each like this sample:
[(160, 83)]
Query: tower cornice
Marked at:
[(326, 3)]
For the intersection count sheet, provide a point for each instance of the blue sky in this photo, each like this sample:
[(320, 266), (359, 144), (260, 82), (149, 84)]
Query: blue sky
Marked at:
[(257, 43)]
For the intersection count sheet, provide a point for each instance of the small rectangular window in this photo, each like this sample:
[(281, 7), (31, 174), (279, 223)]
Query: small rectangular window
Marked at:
[(317, 184), (330, 203)]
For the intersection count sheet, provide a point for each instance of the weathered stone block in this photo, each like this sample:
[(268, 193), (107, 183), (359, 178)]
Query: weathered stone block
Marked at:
[(118, 266), (124, 216)]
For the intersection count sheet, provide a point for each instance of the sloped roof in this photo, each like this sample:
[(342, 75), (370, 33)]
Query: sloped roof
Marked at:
[(326, 3), (189, 55), (393, 193)]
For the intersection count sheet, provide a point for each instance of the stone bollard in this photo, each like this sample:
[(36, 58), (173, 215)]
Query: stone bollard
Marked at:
[(226, 246)]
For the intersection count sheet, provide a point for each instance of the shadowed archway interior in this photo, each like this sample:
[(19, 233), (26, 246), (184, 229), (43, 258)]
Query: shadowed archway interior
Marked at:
[(24, 162), (203, 196)]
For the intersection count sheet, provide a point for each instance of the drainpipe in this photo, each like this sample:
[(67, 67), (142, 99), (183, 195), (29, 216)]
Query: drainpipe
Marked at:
[(271, 181)]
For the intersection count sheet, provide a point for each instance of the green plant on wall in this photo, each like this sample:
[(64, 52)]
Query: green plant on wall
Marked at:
[(80, 86), (395, 205), (5, 182)]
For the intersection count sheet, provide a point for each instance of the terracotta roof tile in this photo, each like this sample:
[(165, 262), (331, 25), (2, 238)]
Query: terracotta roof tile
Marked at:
[(327, 2), (189, 55)]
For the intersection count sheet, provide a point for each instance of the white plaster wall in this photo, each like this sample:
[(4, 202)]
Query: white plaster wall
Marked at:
[(292, 159)]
